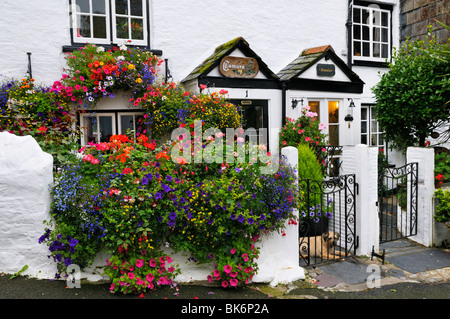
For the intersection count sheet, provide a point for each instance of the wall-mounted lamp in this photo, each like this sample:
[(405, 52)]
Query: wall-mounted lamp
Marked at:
[(349, 117), (295, 103)]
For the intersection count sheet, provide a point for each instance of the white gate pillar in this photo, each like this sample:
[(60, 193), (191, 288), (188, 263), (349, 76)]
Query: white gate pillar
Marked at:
[(425, 159), (278, 261), (362, 161)]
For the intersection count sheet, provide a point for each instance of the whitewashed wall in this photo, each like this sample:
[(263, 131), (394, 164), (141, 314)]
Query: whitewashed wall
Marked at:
[(25, 178), (187, 32)]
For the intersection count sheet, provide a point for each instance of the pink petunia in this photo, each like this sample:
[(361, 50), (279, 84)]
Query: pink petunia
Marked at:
[(245, 256), (130, 275), (227, 269), (150, 277), (234, 282), (139, 263), (233, 251), (216, 273), (209, 277), (224, 284), (152, 263)]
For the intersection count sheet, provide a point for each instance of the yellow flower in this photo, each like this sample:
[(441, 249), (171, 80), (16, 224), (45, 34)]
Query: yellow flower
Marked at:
[(138, 80), (130, 66)]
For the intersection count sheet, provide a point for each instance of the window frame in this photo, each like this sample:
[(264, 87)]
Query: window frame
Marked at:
[(370, 118), (129, 16), (363, 60), (111, 40)]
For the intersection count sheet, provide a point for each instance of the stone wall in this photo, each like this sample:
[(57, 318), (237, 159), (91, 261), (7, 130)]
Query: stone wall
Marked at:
[(416, 15)]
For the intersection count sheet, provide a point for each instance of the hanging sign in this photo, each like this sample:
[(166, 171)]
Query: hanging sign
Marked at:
[(238, 67), (326, 69)]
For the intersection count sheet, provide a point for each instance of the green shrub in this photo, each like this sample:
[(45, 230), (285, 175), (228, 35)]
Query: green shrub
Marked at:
[(442, 214)]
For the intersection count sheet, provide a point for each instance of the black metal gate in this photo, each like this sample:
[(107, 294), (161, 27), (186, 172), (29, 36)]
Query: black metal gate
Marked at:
[(397, 201), (327, 219)]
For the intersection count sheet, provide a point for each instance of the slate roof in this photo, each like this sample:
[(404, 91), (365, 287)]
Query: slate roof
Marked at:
[(309, 57), (226, 49)]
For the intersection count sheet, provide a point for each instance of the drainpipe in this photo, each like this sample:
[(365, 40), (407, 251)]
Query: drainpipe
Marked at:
[(283, 103), (349, 25)]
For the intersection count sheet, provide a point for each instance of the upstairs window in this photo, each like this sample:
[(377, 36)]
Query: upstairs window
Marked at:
[(109, 21), (371, 33)]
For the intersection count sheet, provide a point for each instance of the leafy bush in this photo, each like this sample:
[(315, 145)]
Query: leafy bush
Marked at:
[(442, 214)]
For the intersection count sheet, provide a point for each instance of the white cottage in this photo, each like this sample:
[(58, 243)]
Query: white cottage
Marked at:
[(326, 54)]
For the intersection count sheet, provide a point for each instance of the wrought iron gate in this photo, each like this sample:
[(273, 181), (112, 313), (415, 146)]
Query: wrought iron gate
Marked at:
[(397, 201), (327, 219)]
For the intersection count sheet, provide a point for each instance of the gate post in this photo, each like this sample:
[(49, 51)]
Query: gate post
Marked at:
[(362, 161), (425, 159), (279, 253)]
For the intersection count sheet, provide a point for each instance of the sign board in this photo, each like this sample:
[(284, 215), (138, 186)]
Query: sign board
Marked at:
[(238, 67), (326, 69)]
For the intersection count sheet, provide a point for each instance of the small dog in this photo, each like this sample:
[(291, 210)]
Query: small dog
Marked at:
[(321, 246)]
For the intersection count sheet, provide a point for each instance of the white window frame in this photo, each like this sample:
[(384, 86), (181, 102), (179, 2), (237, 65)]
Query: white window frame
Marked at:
[(84, 116), (110, 16), (129, 17), (372, 9), (76, 14), (119, 120), (371, 130)]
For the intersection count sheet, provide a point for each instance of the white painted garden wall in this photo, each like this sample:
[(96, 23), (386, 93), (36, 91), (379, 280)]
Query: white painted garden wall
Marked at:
[(25, 176)]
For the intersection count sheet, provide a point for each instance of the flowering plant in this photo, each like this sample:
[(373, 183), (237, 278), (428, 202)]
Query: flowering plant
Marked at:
[(129, 198), (305, 129), (30, 109), (93, 73)]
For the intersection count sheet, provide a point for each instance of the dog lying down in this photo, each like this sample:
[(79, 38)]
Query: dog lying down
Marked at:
[(321, 246)]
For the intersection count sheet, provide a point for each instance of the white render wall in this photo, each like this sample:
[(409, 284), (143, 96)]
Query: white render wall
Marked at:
[(187, 32), (25, 178)]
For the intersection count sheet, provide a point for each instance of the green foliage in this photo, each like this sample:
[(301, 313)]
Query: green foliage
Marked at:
[(442, 214), (413, 96), (308, 166), (442, 166)]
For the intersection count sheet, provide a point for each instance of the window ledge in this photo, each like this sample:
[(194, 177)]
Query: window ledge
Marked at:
[(77, 46), (376, 64)]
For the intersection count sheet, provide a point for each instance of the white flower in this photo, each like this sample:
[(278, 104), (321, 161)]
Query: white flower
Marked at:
[(121, 58), (100, 49)]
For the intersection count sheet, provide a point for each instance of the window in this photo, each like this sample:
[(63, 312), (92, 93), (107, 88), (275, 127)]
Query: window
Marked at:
[(370, 131), (100, 126), (371, 33), (109, 21)]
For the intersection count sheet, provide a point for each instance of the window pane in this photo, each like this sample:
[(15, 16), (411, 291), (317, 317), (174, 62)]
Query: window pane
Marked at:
[(366, 35), (98, 6), (82, 6), (105, 128), (91, 134), (333, 135), (333, 112), (357, 32), (121, 6), (384, 34), (137, 30), (366, 49), (364, 139), (363, 114), (356, 15), (365, 16), (315, 107), (376, 34), (384, 19), (363, 127), (136, 8), (376, 50), (122, 27), (376, 18), (99, 27), (126, 123), (384, 51), (84, 26), (357, 48)]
